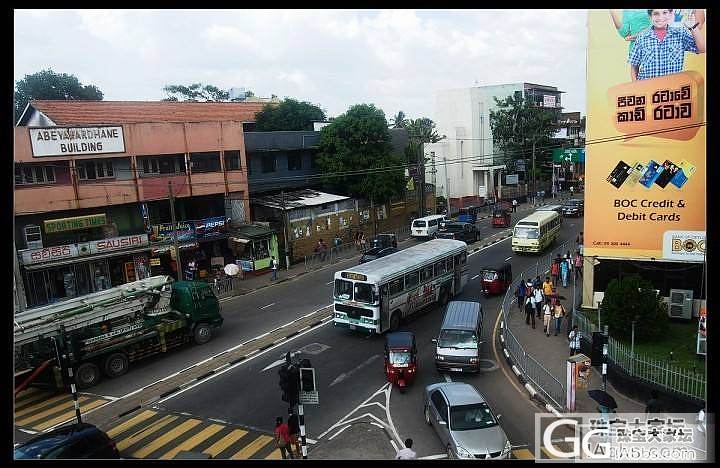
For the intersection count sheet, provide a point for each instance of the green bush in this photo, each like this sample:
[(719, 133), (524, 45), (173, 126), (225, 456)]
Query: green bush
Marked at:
[(634, 299)]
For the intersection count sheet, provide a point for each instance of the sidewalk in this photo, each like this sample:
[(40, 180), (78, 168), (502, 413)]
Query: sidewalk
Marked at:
[(553, 351)]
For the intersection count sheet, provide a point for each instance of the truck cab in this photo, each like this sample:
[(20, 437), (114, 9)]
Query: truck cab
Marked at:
[(197, 302)]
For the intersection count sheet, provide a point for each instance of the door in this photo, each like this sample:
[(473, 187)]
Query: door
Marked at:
[(439, 412), (384, 308)]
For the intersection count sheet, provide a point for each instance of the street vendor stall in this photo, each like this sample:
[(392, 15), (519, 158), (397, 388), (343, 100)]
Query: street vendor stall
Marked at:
[(253, 246)]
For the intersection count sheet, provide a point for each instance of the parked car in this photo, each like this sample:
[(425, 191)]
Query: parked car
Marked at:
[(377, 252), (75, 441), (573, 207), (464, 422), (458, 230)]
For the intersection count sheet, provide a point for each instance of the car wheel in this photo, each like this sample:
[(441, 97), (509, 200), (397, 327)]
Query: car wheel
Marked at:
[(116, 365), (428, 421), (395, 322), (87, 375), (202, 333)]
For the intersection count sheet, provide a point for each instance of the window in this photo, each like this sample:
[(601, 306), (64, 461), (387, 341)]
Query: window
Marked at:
[(162, 165), (150, 166), (412, 279), (440, 405), (28, 175), (426, 274), (233, 161), (396, 286), (205, 162), (471, 417), (92, 170), (294, 161), (440, 268), (268, 163)]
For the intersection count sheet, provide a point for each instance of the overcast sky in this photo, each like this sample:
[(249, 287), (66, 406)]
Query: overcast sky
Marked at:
[(395, 59)]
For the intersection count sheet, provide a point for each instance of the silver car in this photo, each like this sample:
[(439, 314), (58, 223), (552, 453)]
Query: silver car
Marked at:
[(464, 421)]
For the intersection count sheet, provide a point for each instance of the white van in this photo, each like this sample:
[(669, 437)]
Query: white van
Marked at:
[(426, 227)]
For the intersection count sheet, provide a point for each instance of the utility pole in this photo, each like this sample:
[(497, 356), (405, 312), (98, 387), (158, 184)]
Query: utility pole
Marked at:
[(421, 169), (533, 170), (373, 215), (285, 228), (447, 187), (178, 263)]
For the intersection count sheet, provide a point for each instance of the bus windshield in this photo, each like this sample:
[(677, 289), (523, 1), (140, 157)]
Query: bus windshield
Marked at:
[(359, 292), (363, 293), (527, 233), (343, 289)]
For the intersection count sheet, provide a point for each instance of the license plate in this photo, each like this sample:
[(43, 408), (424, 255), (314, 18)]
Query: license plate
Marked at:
[(456, 369), (353, 327)]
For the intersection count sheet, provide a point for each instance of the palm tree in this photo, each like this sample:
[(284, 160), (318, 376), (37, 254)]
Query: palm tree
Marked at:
[(423, 130), (399, 121)]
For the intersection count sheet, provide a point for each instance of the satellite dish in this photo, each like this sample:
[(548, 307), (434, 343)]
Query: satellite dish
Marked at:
[(231, 269)]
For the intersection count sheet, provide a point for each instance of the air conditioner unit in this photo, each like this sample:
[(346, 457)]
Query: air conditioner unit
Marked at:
[(680, 304)]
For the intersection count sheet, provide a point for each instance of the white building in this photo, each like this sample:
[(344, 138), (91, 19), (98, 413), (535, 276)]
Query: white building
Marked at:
[(465, 162)]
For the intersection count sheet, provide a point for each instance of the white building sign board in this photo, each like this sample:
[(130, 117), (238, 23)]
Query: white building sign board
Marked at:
[(114, 243), (61, 141), (548, 101), (59, 252)]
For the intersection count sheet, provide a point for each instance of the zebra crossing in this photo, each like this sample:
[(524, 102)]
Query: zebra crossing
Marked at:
[(156, 434), (38, 410)]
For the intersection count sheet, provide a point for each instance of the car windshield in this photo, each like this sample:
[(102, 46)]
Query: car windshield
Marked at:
[(343, 290), (469, 417), (461, 339), (419, 224), (40, 447), (489, 275), (526, 233), (399, 358), (363, 293)]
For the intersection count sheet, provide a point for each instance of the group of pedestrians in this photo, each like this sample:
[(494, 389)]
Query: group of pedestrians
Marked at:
[(360, 241), (540, 299), (287, 437)]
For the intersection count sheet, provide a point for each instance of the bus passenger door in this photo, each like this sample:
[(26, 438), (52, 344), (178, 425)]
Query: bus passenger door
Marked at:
[(384, 308)]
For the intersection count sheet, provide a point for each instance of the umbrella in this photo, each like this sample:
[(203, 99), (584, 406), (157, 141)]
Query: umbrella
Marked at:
[(231, 269), (603, 398)]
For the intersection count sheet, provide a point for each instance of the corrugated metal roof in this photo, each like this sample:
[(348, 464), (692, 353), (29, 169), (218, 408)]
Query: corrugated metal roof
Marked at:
[(298, 199), (126, 112)]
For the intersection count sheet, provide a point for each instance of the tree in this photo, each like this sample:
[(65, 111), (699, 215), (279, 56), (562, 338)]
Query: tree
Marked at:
[(356, 141), (47, 84), (289, 115), (629, 299), (423, 130), (196, 92), (517, 126), (399, 121)]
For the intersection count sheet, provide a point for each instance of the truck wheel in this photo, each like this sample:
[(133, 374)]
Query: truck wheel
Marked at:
[(203, 333), (116, 365), (87, 375), (395, 322)]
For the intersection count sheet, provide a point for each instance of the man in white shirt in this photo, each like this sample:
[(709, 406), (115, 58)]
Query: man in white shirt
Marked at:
[(407, 453), (538, 300)]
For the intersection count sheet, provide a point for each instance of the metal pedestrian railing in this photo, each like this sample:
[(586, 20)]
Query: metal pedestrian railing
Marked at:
[(225, 287)]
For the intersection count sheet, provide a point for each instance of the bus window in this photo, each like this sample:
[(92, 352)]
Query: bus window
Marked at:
[(412, 279), (426, 274), (449, 264), (363, 293), (396, 286), (440, 268)]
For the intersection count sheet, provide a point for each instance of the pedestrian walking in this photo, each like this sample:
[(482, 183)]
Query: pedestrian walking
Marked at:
[(520, 293), (529, 311), (363, 242), (564, 268), (294, 431), (574, 338), (580, 242), (537, 282), (559, 313), (578, 263), (572, 190), (407, 453), (555, 270), (514, 205), (547, 317), (538, 299), (547, 287), (274, 268), (282, 438)]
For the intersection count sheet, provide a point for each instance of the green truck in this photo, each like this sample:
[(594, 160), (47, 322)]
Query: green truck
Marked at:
[(103, 332)]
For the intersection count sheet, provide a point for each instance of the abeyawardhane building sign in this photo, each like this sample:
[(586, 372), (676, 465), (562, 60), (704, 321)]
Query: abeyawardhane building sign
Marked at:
[(60, 141)]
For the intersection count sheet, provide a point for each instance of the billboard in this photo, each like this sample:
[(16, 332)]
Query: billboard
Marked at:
[(59, 141), (645, 169)]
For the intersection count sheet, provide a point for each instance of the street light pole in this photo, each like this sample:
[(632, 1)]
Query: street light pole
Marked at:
[(447, 187), (178, 263)]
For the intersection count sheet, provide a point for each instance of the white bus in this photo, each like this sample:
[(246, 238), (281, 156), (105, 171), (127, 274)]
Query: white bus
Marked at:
[(426, 227), (375, 296), (535, 232)]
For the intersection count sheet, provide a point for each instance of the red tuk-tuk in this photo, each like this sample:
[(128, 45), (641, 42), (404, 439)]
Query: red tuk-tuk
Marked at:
[(495, 280), (400, 358), (501, 217)]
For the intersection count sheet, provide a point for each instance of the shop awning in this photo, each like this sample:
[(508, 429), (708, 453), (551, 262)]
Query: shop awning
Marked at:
[(159, 249), (83, 259)]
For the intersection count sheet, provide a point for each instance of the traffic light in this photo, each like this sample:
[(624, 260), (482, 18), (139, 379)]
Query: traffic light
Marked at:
[(307, 379), (289, 383)]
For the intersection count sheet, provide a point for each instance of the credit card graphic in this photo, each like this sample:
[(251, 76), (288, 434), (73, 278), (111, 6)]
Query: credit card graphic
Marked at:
[(686, 171), (619, 174), (670, 169), (637, 171), (652, 172)]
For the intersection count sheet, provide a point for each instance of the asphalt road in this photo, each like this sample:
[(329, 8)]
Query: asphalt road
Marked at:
[(350, 366), (247, 317)]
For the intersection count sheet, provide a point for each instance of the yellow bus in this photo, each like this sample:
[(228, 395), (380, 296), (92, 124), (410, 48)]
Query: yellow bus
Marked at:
[(536, 232)]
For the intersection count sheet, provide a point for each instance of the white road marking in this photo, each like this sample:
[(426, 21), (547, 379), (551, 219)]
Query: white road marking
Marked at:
[(394, 445), (447, 378), (338, 432), (340, 422), (476, 276), (280, 361), (373, 403), (328, 284), (508, 259), (265, 307), (345, 375), (485, 248), (434, 457)]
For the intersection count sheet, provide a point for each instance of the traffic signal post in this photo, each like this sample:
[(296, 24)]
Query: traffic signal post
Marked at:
[(297, 383)]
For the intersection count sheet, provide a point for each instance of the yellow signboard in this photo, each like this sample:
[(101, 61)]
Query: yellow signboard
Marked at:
[(74, 224), (645, 156)]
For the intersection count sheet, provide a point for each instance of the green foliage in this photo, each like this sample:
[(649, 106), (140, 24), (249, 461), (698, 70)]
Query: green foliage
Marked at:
[(289, 115), (633, 299), (399, 121), (355, 141), (196, 92), (49, 85), (423, 130)]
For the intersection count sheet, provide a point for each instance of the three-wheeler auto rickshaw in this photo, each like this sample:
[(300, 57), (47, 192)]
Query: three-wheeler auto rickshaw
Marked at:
[(495, 280), (501, 217), (400, 358)]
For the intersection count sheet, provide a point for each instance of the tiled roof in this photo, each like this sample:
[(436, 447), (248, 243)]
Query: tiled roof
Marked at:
[(120, 112)]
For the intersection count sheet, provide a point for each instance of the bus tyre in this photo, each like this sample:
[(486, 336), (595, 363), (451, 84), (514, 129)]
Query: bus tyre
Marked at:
[(202, 333), (395, 322), (116, 365), (87, 375)]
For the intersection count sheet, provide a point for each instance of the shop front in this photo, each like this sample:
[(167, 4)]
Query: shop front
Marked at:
[(253, 248)]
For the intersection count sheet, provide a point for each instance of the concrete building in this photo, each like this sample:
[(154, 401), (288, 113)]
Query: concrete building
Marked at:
[(467, 166), (91, 199)]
